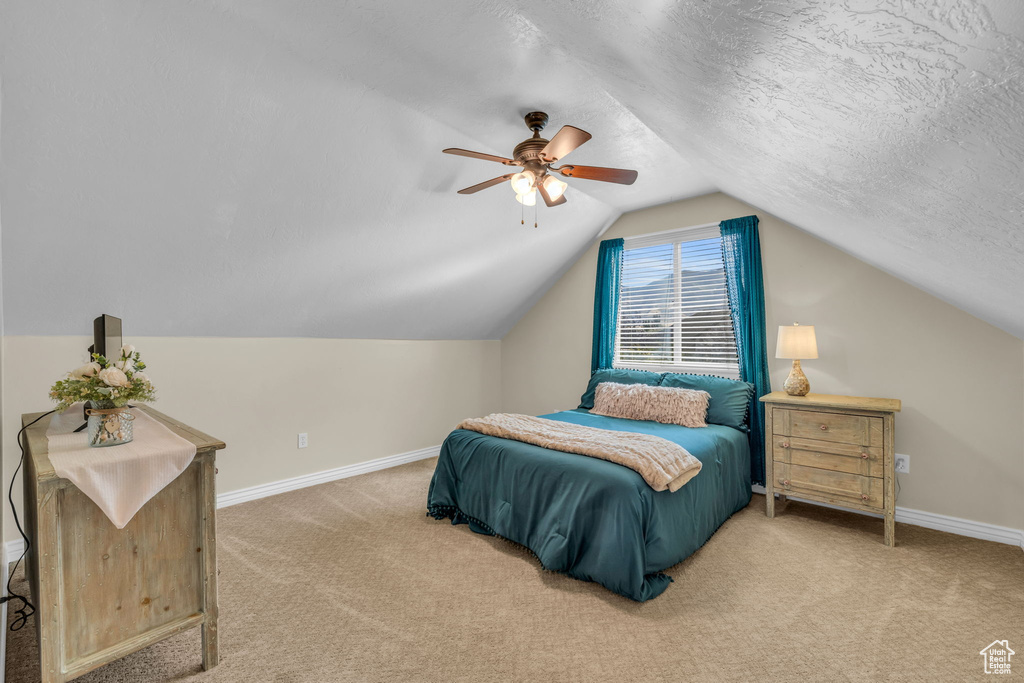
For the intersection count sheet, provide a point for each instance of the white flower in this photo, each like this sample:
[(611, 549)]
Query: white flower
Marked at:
[(87, 370), (113, 377), (126, 364), (127, 350), (141, 376)]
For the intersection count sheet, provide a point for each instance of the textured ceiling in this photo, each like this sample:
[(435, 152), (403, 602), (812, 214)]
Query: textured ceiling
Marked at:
[(272, 168)]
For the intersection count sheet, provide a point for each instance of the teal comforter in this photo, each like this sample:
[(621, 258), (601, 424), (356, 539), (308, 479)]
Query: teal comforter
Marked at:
[(592, 519)]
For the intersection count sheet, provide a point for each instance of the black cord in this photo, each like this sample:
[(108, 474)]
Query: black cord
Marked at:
[(27, 609)]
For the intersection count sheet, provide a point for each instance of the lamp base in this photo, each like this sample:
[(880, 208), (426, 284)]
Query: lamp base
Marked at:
[(797, 384)]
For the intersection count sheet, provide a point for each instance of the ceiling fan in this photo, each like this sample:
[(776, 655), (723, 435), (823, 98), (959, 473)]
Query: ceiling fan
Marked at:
[(536, 156)]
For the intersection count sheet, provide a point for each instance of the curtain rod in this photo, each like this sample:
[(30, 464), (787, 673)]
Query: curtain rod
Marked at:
[(665, 232)]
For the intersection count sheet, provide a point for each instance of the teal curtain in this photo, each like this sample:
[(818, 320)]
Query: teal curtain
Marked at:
[(606, 303), (741, 251)]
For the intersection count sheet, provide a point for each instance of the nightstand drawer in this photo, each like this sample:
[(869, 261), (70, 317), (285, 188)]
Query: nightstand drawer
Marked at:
[(838, 457), (824, 426), (837, 487)]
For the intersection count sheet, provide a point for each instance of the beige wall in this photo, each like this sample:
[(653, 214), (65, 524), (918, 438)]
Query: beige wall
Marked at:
[(960, 379), (4, 469), (357, 399)]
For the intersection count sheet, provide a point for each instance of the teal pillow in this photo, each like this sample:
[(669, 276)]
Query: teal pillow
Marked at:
[(619, 376), (730, 398)]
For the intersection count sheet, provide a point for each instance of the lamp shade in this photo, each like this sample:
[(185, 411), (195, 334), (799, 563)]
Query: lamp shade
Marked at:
[(796, 342)]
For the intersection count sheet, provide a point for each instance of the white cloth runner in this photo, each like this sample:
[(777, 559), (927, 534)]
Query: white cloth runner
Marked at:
[(119, 479)]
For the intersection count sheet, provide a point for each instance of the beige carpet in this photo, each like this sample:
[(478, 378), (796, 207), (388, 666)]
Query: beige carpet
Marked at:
[(350, 581)]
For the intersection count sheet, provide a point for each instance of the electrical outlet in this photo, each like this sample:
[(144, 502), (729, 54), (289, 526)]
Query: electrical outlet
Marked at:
[(902, 463), (303, 440)]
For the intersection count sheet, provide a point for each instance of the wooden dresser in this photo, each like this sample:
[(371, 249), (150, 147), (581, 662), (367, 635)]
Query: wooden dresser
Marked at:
[(102, 592), (832, 449)]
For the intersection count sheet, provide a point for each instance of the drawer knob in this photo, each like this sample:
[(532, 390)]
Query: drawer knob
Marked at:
[(864, 496), (824, 428), (864, 455), (784, 482), (785, 444)]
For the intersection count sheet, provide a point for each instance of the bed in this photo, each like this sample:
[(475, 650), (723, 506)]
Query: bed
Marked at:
[(588, 518)]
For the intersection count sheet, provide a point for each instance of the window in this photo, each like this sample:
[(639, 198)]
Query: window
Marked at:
[(673, 305)]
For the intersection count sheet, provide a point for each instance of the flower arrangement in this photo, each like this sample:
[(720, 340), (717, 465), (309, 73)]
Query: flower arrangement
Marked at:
[(105, 384)]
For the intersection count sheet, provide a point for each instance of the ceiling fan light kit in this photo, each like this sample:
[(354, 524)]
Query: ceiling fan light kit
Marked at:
[(555, 187), (527, 198), (536, 155), (523, 182)]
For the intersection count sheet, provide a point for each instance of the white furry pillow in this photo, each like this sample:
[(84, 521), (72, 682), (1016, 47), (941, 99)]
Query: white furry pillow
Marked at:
[(671, 405)]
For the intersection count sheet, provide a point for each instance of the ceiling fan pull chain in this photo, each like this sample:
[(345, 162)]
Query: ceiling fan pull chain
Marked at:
[(535, 215), (522, 214)]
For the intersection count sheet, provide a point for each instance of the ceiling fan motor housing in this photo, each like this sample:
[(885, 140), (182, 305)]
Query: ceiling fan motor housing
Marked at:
[(527, 154)]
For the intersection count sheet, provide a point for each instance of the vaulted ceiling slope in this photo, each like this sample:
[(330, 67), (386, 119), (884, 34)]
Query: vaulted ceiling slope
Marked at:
[(273, 168)]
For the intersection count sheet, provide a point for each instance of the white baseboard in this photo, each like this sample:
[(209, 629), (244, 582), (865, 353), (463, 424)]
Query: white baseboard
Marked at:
[(12, 550), (263, 490), (3, 615), (931, 520), (15, 548)]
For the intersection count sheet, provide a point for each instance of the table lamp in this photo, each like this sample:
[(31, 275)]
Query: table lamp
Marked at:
[(796, 342)]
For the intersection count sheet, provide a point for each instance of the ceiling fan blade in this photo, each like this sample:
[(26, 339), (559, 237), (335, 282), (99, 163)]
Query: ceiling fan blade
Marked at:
[(484, 185), (547, 198), (565, 141), (477, 155), (609, 175)]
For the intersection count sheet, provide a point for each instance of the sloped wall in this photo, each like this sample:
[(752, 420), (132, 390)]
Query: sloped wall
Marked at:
[(961, 380)]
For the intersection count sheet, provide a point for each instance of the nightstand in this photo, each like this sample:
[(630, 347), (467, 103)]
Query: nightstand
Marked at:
[(102, 592), (832, 449)]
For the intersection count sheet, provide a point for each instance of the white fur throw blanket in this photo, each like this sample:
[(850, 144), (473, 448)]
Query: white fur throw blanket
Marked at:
[(662, 464), (669, 405)]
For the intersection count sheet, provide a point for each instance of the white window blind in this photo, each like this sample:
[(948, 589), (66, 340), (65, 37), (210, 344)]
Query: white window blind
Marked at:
[(673, 305)]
